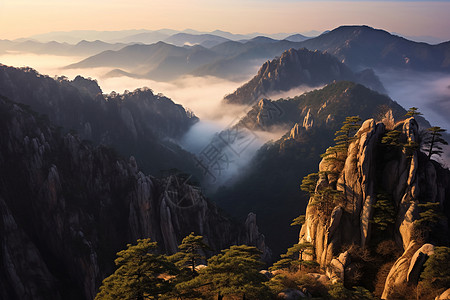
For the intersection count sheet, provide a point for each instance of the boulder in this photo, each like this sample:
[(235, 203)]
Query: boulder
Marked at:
[(417, 261)]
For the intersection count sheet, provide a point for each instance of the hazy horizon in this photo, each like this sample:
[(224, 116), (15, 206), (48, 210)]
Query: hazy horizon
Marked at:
[(24, 18)]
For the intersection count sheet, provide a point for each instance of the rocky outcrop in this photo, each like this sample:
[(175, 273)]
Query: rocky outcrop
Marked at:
[(67, 207), (402, 173), (417, 261)]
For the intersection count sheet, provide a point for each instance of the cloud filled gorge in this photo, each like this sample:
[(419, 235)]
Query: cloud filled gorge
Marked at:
[(202, 95), (430, 92)]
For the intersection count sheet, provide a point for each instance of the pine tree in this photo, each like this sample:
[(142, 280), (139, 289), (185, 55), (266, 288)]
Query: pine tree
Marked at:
[(392, 138), (434, 141), (430, 216), (300, 220), (233, 272), (384, 214), (413, 112), (140, 274), (293, 258), (309, 183), (435, 277), (191, 253)]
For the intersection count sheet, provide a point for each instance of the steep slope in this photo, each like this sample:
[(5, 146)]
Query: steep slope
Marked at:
[(270, 186), (137, 123), (366, 47), (295, 68), (67, 207), (371, 172)]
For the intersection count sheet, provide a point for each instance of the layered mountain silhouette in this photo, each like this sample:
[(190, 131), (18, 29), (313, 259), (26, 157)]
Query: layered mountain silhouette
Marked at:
[(160, 61), (82, 48), (359, 47), (205, 40), (363, 46)]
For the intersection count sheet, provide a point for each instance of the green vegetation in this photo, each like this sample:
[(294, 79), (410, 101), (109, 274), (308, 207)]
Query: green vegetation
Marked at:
[(427, 226), (435, 277), (392, 138), (293, 260), (432, 144), (344, 137), (413, 112), (139, 274), (191, 253), (384, 215), (233, 272)]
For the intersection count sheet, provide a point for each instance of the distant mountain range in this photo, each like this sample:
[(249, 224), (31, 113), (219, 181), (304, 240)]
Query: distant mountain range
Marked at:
[(363, 46), (163, 61), (145, 36), (82, 48), (359, 47)]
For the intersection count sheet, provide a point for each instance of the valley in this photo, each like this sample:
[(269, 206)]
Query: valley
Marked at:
[(140, 134)]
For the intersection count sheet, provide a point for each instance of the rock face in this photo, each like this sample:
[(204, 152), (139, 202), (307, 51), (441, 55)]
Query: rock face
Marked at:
[(67, 207), (284, 162), (138, 123), (405, 174), (295, 68)]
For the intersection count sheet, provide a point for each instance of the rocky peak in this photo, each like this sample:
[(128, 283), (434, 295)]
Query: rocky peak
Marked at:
[(405, 175), (87, 85), (308, 121), (295, 68)]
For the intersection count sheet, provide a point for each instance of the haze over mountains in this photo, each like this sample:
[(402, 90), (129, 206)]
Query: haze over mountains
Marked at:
[(83, 146), (358, 46)]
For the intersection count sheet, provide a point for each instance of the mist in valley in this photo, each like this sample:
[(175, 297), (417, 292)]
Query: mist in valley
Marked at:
[(202, 95), (430, 92)]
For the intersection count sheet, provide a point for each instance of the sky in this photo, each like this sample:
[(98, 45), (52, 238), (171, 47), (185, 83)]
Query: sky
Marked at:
[(23, 18)]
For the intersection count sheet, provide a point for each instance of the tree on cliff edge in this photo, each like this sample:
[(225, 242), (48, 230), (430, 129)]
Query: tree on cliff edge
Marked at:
[(433, 141)]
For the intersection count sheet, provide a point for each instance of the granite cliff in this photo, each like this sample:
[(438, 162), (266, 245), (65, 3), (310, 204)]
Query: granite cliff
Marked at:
[(369, 173), (138, 123), (66, 208)]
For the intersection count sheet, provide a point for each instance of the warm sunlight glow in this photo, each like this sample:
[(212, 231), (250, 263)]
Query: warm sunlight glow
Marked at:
[(20, 18)]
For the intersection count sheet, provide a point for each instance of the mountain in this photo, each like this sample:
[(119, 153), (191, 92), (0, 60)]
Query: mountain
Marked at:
[(297, 38), (354, 234), (295, 68), (137, 123), (270, 184), (148, 37), (366, 47), (160, 61), (243, 59), (66, 208), (205, 40), (82, 48), (75, 36)]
